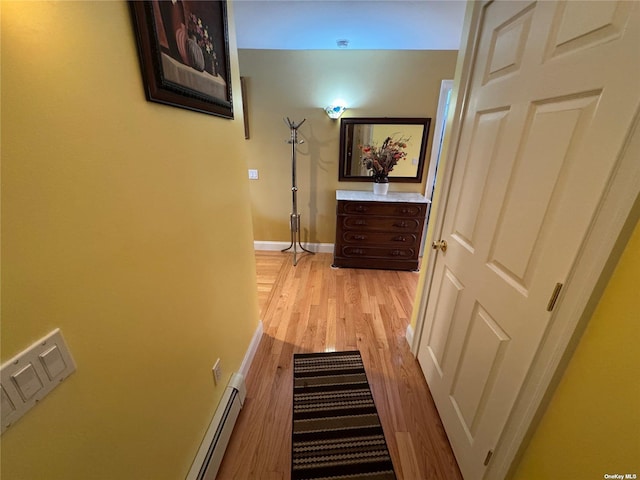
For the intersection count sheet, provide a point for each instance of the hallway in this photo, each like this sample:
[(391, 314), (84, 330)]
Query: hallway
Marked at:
[(313, 307)]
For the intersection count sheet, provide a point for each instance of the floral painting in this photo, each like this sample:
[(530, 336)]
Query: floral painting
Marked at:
[(184, 53)]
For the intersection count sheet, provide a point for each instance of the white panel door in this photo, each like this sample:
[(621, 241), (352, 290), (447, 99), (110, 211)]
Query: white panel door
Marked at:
[(553, 90)]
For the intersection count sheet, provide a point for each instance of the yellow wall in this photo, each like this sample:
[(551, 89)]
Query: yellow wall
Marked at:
[(298, 84), (591, 425), (127, 224)]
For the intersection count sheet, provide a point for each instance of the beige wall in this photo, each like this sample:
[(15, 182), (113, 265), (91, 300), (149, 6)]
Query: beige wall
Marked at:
[(127, 224), (298, 84)]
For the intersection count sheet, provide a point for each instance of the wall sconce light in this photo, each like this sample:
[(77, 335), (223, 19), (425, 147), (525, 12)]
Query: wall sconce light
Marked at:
[(335, 111)]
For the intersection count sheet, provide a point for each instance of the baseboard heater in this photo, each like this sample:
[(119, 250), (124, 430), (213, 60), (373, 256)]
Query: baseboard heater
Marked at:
[(209, 457)]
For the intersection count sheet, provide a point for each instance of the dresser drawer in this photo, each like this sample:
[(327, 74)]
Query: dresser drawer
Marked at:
[(400, 253), (381, 224), (382, 209), (380, 238)]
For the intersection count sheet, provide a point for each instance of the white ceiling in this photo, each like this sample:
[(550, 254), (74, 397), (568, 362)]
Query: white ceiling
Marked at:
[(366, 24)]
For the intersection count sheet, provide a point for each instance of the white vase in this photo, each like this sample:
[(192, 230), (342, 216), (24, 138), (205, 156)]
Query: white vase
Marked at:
[(380, 188)]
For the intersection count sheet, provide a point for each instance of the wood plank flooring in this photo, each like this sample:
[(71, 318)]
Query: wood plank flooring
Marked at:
[(313, 307)]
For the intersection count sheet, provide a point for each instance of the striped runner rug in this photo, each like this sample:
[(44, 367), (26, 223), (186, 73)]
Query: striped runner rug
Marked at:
[(336, 429)]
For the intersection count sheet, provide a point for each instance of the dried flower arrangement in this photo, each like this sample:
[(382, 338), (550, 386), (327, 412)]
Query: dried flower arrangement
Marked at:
[(381, 160)]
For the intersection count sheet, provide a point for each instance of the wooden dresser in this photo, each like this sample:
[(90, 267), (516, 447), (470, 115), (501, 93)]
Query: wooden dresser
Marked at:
[(379, 231)]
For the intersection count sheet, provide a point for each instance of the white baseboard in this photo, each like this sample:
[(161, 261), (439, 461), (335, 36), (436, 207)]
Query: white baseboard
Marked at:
[(277, 246), (251, 351), (409, 336)]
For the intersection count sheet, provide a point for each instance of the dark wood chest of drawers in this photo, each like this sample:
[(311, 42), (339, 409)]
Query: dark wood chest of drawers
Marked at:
[(379, 234)]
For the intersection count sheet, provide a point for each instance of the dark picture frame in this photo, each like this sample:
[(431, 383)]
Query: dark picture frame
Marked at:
[(184, 53)]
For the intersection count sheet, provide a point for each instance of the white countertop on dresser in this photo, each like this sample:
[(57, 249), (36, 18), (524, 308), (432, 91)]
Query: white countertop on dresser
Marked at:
[(368, 196)]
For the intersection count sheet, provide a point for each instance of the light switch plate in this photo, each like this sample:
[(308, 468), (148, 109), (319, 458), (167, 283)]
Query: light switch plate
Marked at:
[(29, 376)]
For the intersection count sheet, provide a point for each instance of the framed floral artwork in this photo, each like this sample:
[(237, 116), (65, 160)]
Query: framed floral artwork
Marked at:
[(184, 53)]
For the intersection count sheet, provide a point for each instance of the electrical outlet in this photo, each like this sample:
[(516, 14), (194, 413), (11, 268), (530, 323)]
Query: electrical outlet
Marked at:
[(253, 174), (217, 372)]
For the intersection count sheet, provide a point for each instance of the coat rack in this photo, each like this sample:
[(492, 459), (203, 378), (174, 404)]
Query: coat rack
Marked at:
[(294, 218)]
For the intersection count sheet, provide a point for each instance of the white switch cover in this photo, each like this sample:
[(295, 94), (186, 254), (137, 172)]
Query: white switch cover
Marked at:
[(27, 381), (29, 376), (52, 362), (6, 405), (253, 174)]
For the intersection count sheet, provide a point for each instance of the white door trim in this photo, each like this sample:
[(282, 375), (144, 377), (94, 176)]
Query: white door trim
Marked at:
[(609, 232), (438, 131), (436, 149)]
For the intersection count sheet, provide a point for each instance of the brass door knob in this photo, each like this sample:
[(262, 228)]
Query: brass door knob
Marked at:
[(440, 245)]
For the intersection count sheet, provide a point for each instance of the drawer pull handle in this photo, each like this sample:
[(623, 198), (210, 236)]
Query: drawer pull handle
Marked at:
[(361, 208), (357, 251), (360, 222), (396, 253), (401, 224), (359, 237), (400, 238), (405, 211)]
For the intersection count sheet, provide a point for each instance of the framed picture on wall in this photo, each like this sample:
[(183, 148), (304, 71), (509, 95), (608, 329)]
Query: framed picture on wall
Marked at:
[(184, 53)]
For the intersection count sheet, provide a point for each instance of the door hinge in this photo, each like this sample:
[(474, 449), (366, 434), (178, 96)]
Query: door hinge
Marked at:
[(488, 459), (554, 297)]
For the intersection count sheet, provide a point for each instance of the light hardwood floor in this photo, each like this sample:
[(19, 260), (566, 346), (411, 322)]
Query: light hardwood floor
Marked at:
[(313, 307)]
